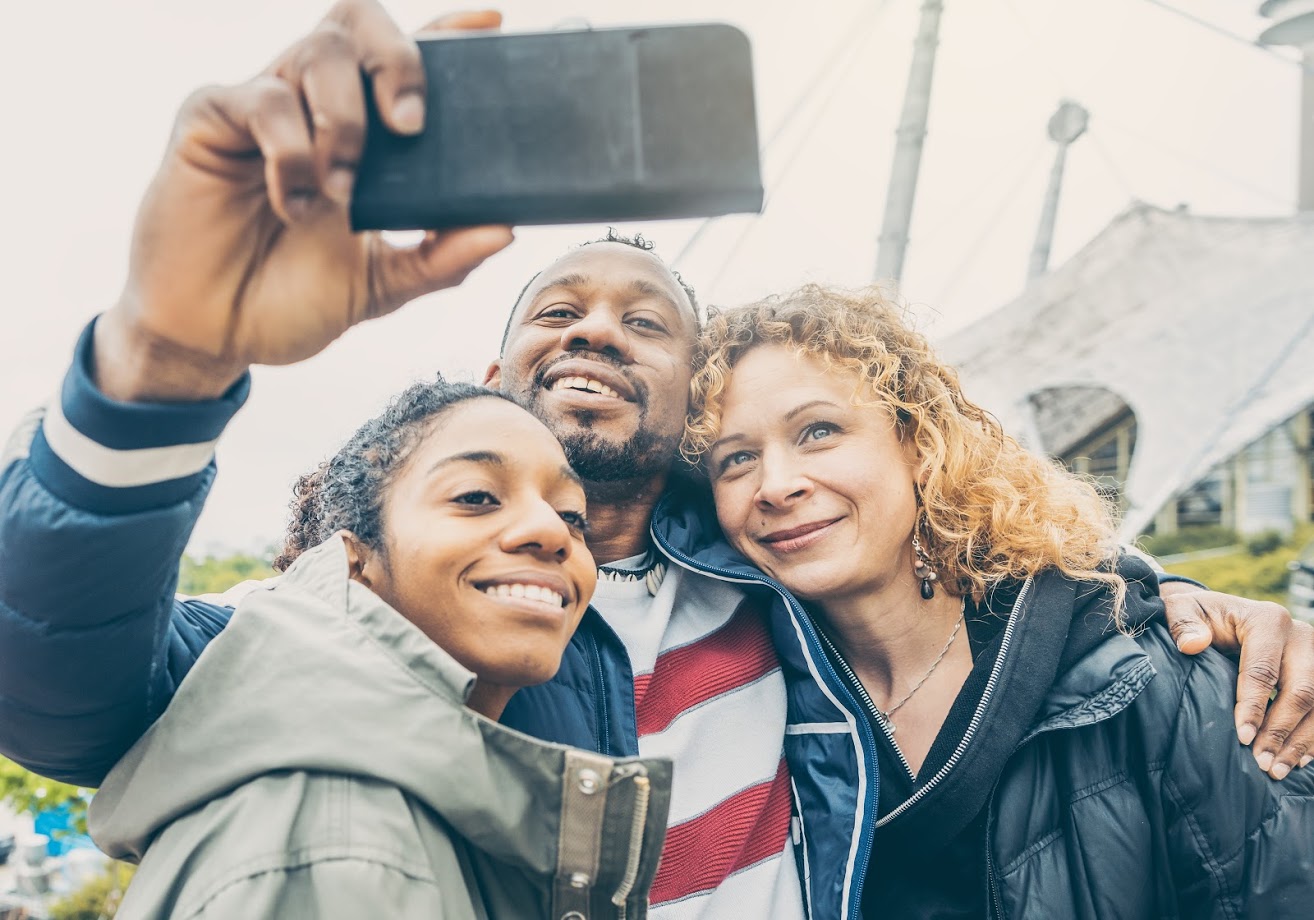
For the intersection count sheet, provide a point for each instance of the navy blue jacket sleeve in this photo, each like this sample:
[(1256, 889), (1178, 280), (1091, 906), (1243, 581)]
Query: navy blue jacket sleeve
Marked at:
[(97, 502)]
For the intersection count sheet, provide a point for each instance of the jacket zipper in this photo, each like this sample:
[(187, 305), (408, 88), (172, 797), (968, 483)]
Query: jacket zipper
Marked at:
[(997, 914), (861, 691), (865, 737), (641, 792), (603, 723), (972, 726)]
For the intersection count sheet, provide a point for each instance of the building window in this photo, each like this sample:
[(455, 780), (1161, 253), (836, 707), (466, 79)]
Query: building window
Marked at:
[(1106, 454)]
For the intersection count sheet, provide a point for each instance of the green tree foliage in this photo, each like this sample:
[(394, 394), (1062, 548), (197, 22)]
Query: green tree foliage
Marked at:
[(1257, 570), (1189, 540), (98, 899), (216, 574), (26, 792)]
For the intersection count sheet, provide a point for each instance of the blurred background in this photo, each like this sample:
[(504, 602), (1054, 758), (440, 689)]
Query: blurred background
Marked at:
[(1093, 206)]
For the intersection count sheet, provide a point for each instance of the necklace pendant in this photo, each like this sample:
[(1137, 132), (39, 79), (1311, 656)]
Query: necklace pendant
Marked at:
[(889, 726)]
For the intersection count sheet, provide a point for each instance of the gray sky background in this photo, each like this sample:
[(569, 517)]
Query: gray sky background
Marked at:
[(1179, 114)]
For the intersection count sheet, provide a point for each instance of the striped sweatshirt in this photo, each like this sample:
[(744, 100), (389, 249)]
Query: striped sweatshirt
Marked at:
[(709, 695)]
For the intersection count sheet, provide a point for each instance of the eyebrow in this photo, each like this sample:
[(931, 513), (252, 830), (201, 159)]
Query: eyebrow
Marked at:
[(800, 409), (636, 287), (789, 416), (491, 458)]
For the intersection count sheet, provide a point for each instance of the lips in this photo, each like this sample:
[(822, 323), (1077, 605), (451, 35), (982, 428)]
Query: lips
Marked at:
[(533, 586), (795, 538), (589, 377)]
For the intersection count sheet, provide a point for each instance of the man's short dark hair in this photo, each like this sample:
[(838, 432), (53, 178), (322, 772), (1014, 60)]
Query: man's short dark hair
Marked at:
[(638, 241)]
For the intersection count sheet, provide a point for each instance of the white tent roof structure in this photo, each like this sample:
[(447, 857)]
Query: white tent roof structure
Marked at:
[(1204, 326)]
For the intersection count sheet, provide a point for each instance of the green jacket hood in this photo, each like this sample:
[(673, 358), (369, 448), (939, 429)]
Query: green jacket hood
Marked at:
[(319, 674)]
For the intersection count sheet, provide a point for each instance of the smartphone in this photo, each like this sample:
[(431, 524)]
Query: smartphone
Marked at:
[(567, 127)]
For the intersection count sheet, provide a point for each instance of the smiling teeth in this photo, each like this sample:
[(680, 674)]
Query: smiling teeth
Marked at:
[(531, 592), (585, 383)]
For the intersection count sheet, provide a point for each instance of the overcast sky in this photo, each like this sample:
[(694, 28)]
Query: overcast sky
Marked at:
[(1179, 114)]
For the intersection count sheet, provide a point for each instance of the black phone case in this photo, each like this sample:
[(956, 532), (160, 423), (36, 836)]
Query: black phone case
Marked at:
[(565, 127)]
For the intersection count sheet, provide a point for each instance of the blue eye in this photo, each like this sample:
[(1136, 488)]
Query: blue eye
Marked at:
[(818, 431), (738, 458)]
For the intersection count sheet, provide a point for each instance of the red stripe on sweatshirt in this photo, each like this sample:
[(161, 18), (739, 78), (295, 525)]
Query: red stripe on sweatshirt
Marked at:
[(735, 655), (741, 831)]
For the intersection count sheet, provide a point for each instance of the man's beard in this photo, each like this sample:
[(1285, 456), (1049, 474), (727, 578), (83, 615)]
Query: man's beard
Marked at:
[(645, 455), (648, 453)]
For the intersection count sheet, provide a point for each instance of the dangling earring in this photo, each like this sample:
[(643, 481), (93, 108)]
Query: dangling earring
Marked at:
[(922, 566)]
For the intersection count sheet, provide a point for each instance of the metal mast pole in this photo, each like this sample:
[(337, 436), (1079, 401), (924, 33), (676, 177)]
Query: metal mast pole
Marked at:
[(1065, 126), (1295, 28), (908, 146)]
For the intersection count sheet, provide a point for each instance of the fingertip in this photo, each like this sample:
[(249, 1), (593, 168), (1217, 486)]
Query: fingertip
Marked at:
[(1193, 642), (1246, 733), (407, 114)]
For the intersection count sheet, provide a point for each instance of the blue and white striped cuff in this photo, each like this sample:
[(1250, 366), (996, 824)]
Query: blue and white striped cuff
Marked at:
[(116, 458)]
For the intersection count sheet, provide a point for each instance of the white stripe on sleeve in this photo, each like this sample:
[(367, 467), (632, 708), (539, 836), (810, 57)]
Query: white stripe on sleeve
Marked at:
[(120, 469)]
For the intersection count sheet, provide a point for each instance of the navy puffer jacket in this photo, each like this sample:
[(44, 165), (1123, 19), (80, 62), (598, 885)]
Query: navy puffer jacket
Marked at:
[(1130, 796)]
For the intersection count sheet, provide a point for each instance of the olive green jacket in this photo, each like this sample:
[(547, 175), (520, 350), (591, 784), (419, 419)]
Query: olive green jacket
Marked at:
[(318, 762)]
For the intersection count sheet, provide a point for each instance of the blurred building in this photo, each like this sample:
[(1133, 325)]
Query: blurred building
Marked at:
[(1173, 359)]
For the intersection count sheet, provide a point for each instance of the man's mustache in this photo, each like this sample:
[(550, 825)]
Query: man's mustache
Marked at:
[(640, 390)]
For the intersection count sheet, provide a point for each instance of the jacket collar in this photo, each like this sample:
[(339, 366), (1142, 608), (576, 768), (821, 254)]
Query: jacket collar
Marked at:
[(319, 674)]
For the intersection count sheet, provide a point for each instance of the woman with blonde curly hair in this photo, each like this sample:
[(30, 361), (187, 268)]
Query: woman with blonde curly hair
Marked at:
[(963, 606)]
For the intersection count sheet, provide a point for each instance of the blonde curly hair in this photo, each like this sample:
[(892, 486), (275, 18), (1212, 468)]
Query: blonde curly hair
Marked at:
[(992, 511)]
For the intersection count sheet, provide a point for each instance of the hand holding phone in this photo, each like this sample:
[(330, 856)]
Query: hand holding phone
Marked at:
[(242, 251), (558, 127)]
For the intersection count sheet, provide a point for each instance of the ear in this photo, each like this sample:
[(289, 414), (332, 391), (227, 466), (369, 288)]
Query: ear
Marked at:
[(361, 560), (493, 376)]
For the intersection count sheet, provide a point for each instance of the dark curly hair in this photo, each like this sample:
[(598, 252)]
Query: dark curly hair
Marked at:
[(346, 492), (638, 241)]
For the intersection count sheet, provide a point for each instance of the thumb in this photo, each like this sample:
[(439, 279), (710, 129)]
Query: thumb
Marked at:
[(441, 260), (1186, 622)]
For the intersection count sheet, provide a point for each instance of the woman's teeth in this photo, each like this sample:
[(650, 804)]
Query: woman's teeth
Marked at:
[(585, 383), (532, 592)]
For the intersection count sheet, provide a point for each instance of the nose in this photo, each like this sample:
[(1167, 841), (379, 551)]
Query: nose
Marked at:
[(782, 484), (539, 531), (600, 330)]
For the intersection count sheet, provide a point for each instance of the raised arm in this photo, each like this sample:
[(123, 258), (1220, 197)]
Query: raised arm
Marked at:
[(242, 254), (97, 501)]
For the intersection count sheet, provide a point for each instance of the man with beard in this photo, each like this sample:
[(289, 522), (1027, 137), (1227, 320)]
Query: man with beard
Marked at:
[(242, 255)]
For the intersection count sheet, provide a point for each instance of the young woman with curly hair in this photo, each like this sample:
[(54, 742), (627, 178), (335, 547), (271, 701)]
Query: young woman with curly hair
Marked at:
[(335, 752), (1041, 748)]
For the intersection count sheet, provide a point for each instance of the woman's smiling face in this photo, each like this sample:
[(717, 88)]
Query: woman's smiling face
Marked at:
[(484, 543), (814, 490)]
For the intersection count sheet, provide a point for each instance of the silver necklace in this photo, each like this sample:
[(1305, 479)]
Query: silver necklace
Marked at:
[(887, 715)]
